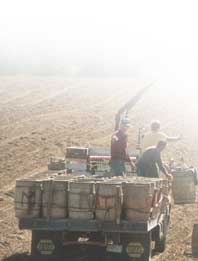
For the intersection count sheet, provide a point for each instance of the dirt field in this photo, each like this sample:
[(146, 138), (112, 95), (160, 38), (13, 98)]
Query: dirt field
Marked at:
[(40, 116)]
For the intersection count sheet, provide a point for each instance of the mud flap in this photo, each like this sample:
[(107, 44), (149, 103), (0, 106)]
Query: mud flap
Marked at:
[(135, 248), (47, 246)]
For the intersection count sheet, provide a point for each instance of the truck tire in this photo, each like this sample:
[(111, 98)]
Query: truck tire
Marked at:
[(161, 237), (47, 246)]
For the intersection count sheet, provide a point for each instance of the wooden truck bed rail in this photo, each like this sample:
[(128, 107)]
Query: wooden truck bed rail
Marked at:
[(86, 225)]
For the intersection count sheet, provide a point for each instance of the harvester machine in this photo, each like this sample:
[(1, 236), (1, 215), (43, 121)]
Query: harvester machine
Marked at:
[(128, 106)]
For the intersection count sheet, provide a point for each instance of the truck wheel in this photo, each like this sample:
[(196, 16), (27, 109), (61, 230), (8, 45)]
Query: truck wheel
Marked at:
[(161, 236), (148, 250), (47, 246)]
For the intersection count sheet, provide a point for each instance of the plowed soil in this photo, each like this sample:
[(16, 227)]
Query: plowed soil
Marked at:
[(40, 116)]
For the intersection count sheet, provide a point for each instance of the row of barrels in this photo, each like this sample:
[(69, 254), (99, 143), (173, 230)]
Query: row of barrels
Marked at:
[(134, 199)]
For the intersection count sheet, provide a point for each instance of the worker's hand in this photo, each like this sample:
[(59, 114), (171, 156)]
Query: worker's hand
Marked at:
[(170, 177), (133, 167)]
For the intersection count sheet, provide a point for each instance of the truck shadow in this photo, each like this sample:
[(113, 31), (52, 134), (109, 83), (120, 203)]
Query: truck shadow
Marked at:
[(18, 257)]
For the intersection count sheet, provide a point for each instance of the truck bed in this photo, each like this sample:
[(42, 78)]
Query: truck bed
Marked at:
[(87, 225)]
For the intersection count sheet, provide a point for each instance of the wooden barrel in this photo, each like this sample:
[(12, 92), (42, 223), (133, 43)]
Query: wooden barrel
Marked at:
[(54, 198), (109, 200), (28, 198), (81, 200), (184, 189), (138, 201)]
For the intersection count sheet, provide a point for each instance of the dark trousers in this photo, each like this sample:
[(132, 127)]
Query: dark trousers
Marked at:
[(118, 167), (148, 171)]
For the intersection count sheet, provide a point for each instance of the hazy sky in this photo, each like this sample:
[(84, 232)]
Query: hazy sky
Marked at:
[(148, 37)]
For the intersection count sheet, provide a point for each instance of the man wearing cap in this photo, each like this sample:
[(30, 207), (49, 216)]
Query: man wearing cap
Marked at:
[(119, 154), (155, 135), (149, 163)]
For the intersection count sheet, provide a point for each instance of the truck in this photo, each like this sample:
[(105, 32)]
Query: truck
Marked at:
[(64, 238)]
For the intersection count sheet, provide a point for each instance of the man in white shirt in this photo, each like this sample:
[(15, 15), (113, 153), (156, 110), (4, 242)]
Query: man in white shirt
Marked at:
[(155, 135)]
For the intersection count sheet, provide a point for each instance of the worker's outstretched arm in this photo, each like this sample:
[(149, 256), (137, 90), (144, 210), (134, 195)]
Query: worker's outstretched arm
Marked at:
[(162, 168), (172, 139)]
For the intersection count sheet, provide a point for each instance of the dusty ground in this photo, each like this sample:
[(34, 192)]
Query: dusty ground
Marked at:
[(40, 116)]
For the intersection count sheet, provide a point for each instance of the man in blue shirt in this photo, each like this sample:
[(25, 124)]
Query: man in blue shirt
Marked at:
[(150, 162)]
